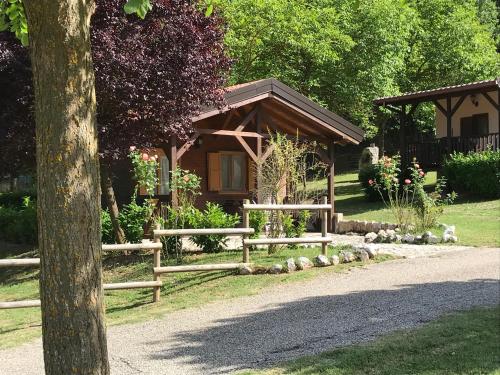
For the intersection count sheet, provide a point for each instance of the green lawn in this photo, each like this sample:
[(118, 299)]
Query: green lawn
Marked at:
[(180, 291), (462, 343), (477, 221)]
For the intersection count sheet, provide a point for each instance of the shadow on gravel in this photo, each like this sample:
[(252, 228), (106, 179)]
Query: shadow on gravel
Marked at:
[(317, 324)]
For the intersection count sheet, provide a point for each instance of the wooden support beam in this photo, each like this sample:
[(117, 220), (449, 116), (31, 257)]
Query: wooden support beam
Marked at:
[(440, 107), (448, 123), (173, 166), (331, 186), (458, 104), (402, 136), (492, 102), (267, 153), (322, 155), (247, 148), (232, 133), (131, 246), (249, 117), (201, 268), (186, 146)]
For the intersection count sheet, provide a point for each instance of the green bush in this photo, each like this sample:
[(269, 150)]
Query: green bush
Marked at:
[(213, 216), (257, 220), (373, 176), (18, 224), (15, 199), (132, 218), (107, 235), (477, 173)]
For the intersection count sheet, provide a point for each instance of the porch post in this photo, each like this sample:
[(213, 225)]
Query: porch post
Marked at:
[(402, 136), (173, 166), (259, 152), (331, 188), (449, 115)]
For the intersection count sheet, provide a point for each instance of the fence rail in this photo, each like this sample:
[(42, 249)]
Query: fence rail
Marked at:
[(324, 208)]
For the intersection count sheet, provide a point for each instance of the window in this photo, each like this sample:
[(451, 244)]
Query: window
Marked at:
[(474, 126), (227, 171), (233, 171)]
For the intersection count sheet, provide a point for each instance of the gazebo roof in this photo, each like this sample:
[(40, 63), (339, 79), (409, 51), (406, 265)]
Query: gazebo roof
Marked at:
[(287, 106), (440, 93)]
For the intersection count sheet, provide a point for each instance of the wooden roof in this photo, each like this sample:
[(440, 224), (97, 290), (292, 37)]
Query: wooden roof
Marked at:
[(440, 93), (288, 109)]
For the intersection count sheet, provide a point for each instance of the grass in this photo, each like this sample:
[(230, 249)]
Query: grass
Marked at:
[(477, 221), (179, 291), (461, 343)]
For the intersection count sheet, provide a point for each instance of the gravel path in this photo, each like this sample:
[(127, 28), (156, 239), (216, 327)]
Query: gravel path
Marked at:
[(296, 319)]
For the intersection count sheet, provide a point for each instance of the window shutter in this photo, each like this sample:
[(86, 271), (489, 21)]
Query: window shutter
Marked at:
[(214, 175), (252, 177)]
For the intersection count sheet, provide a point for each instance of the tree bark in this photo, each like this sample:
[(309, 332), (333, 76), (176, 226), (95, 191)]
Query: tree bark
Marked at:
[(69, 233), (109, 194)]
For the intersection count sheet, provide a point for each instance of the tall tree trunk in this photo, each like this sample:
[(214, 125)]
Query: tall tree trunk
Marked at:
[(69, 234), (109, 194)]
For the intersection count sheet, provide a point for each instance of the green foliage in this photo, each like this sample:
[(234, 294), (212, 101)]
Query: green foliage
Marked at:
[(16, 199), (187, 185), (13, 18), (345, 53), (295, 227), (18, 224), (107, 234), (138, 7), (477, 173), (373, 177), (213, 216), (257, 220), (132, 219)]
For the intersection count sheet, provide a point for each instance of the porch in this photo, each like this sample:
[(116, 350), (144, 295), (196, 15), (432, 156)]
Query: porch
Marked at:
[(430, 153)]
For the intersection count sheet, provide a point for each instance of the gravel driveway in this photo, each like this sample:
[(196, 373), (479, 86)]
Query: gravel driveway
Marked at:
[(295, 319)]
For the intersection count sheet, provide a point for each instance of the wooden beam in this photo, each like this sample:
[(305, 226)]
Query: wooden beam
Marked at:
[(173, 166), (267, 153), (323, 155), (458, 104), (186, 146), (20, 304), (131, 246), (331, 185), (249, 117), (232, 133), (492, 102), (203, 231), (201, 268), (24, 262), (285, 241), (247, 148), (440, 107), (290, 207), (402, 136), (448, 123), (227, 120)]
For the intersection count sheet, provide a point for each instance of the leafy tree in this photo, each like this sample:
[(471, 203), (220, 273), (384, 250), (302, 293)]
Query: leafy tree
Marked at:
[(146, 89)]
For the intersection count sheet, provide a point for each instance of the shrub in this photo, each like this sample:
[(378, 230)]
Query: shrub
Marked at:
[(477, 173), (378, 174), (19, 224), (257, 221), (213, 216), (295, 227), (15, 199), (132, 219), (107, 234)]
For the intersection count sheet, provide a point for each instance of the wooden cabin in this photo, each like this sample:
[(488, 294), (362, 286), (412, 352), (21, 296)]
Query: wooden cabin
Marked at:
[(228, 140)]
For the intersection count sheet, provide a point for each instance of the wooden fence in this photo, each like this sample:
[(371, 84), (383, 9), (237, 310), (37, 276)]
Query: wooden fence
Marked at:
[(323, 208), (159, 233), (30, 262)]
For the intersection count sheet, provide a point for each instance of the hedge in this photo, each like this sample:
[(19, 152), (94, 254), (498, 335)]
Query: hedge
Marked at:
[(476, 173)]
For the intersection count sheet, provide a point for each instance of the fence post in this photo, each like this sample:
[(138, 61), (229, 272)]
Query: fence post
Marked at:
[(246, 224), (156, 263), (324, 226)]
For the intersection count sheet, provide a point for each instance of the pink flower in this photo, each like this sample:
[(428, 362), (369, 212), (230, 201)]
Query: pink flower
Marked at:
[(370, 182), (132, 148), (153, 158), (421, 173), (407, 181), (186, 178), (145, 156), (417, 166)]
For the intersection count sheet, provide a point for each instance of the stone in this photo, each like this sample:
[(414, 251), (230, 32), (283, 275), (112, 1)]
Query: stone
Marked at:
[(418, 240), (382, 236), (432, 240), (408, 238), (347, 257), (321, 261), (398, 238), (363, 255), (371, 250), (290, 265), (370, 237), (303, 263), (277, 268), (334, 259), (245, 270), (453, 239)]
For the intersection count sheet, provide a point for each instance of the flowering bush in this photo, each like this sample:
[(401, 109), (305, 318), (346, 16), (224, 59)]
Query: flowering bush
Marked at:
[(145, 170), (373, 177), (187, 185)]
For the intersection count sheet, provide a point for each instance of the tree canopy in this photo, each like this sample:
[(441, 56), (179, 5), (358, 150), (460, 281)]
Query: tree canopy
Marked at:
[(152, 76), (344, 53)]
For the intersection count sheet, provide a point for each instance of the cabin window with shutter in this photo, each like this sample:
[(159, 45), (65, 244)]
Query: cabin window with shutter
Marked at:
[(227, 171)]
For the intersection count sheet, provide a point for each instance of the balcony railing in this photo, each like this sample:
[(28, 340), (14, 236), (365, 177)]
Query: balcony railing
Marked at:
[(431, 153)]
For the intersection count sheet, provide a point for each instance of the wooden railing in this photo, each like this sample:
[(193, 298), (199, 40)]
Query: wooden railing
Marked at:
[(324, 240), (432, 152)]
